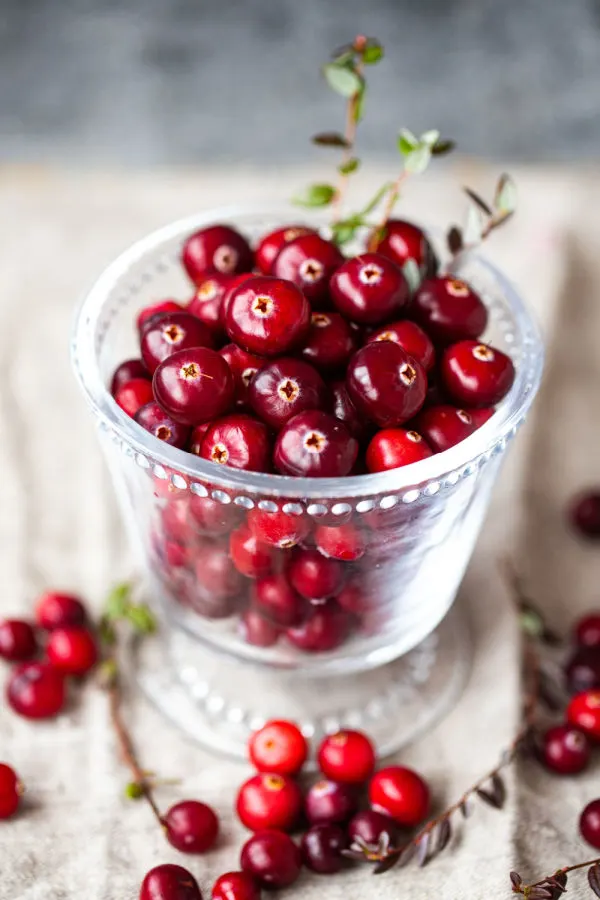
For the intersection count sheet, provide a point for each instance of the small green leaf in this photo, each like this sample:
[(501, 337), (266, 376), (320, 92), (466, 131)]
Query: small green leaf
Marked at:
[(505, 199), (430, 138), (106, 629), (412, 273), (117, 600), (343, 56), (142, 619), (372, 53), (107, 673), (134, 791), (342, 79), (359, 107), (376, 200), (441, 148), (349, 166), (417, 161), (315, 195), (342, 233), (330, 139), (407, 142)]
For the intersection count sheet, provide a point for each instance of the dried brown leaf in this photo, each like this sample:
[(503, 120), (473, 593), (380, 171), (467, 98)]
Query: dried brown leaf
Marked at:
[(454, 240), (444, 833), (489, 798), (386, 864), (594, 879), (423, 847), (466, 808), (516, 880), (498, 790), (479, 201), (539, 893), (330, 139)]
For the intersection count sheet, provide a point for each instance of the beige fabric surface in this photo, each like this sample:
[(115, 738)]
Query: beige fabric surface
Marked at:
[(76, 837)]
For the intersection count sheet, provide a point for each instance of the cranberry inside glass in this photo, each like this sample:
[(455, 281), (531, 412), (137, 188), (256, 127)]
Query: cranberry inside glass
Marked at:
[(386, 384), (194, 386), (369, 289), (267, 316), (218, 248), (314, 444), (309, 261), (449, 310), (283, 388)]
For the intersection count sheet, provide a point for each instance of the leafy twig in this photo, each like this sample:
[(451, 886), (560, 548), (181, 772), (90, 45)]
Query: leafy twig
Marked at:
[(552, 886), (482, 217)]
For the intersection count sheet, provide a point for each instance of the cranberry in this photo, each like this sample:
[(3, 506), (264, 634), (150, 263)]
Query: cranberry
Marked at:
[(585, 514), (315, 444), (11, 790), (17, 640), (273, 597), (347, 756), (191, 826), (403, 241), (476, 374), (72, 651), (215, 573), (173, 332), (444, 426), (175, 521), (400, 793), (385, 383), (154, 419), (565, 750), (272, 858), (369, 826), (584, 712), (133, 395), (56, 610), (343, 542), (257, 630), (345, 410), (449, 310), (314, 576), (589, 824), (235, 282), (329, 803), (218, 248), (326, 628), (249, 555), (279, 529), (270, 246), (284, 388), (322, 847), (269, 801), (127, 371), (235, 886), (582, 670), (354, 598), (239, 441), (244, 367), (206, 304), (309, 261), (278, 747), (330, 342), (267, 315), (411, 338), (212, 517), (369, 289), (196, 437), (169, 882), (587, 631), (36, 691), (161, 307), (194, 385), (395, 447)]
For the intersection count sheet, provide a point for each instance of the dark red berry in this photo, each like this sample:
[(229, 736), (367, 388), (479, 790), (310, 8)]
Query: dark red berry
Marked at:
[(206, 304), (347, 756), (191, 826), (325, 629), (329, 803), (330, 342), (404, 241), (585, 514), (36, 691), (322, 847), (395, 447), (56, 610), (355, 599), (194, 385), (218, 248), (369, 289), (244, 367), (309, 261), (343, 542), (272, 858), (284, 388), (133, 395), (257, 630), (235, 886), (449, 310), (73, 651), (267, 316), (11, 790), (211, 517), (239, 441), (582, 670), (565, 750), (161, 307), (279, 529), (268, 800), (154, 419), (587, 630), (278, 747), (400, 793), (270, 246), (276, 600), (169, 882), (314, 576), (584, 712), (444, 426), (127, 371), (386, 384), (17, 640), (176, 331), (314, 444), (475, 374), (370, 826), (251, 557), (345, 410), (589, 824), (411, 338), (214, 572)]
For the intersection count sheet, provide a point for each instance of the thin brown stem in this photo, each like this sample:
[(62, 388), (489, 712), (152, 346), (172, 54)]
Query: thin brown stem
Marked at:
[(349, 134), (565, 870), (392, 199)]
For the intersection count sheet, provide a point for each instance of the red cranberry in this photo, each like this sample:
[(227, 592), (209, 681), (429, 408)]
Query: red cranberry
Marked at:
[(284, 388), (395, 447), (218, 248), (345, 410), (449, 310), (196, 437), (56, 610), (270, 246), (127, 371), (278, 747), (191, 826), (582, 670), (476, 374), (155, 420), (584, 712), (72, 651), (587, 631), (369, 289), (215, 573), (235, 282), (169, 882), (272, 858), (177, 331), (589, 824), (211, 517), (279, 529), (314, 576), (239, 441), (386, 384), (329, 803), (444, 426), (330, 342), (235, 886), (244, 367), (269, 801), (133, 395), (36, 691), (355, 599), (10, 791), (565, 750), (257, 630), (343, 542), (267, 315), (194, 385), (175, 521), (585, 514), (369, 826), (322, 847), (315, 444), (309, 261), (411, 338), (403, 241), (161, 307), (326, 628), (250, 557), (206, 304), (347, 756), (213, 605), (17, 640), (400, 793), (273, 597)]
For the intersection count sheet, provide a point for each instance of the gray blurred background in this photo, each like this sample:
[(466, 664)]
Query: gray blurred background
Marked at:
[(211, 81)]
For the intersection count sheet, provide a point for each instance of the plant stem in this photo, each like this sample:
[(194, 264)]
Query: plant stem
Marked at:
[(349, 133), (565, 870), (392, 199)]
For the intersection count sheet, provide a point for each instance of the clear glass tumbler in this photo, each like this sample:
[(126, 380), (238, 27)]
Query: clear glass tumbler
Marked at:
[(217, 671)]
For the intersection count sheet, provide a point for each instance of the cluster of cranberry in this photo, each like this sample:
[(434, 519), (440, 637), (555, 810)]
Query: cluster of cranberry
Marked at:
[(272, 804)]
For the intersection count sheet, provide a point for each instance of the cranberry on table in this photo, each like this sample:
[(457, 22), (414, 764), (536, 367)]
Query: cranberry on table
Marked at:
[(17, 640), (587, 631), (325, 628), (449, 310), (584, 712), (343, 542), (207, 301), (268, 800), (313, 576), (582, 670), (565, 749), (272, 243), (73, 651), (169, 882), (244, 367), (133, 395), (272, 858), (267, 316), (284, 388), (218, 248), (309, 261), (154, 419), (127, 371), (278, 602), (347, 756), (36, 691), (161, 307), (279, 529), (314, 444), (329, 803), (369, 289), (391, 448), (54, 609), (214, 572), (444, 426), (322, 847), (250, 557), (585, 514), (369, 826), (235, 886), (239, 441), (386, 384), (194, 385), (344, 409), (403, 241), (330, 342), (279, 747), (476, 374), (173, 332), (411, 338), (589, 824), (11, 790), (191, 826), (400, 793), (256, 630)]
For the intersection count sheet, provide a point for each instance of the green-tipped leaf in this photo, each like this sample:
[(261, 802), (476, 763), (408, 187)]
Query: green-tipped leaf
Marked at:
[(372, 53), (315, 195), (417, 161), (407, 142), (505, 199), (349, 166), (342, 79), (430, 138)]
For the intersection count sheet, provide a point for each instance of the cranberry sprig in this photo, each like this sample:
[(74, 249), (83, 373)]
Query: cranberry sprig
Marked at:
[(482, 217), (553, 886)]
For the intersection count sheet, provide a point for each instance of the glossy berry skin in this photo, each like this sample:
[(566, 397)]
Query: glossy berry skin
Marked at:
[(11, 790), (403, 241), (256, 630), (369, 826), (309, 261), (239, 441), (584, 712), (272, 858), (314, 576), (369, 289), (278, 747), (73, 651), (267, 316), (251, 557), (169, 882), (161, 307), (589, 824), (587, 631), (218, 248), (191, 826), (386, 384), (17, 640), (133, 395), (449, 310), (565, 750), (329, 803), (278, 529), (325, 629), (235, 886), (57, 610), (271, 245), (411, 338), (476, 374), (355, 599), (206, 304), (154, 419), (283, 388), (330, 342), (194, 386), (173, 332), (211, 517), (322, 847), (343, 542), (127, 371), (347, 756), (276, 601), (395, 447), (269, 801), (344, 409), (36, 691), (400, 793), (445, 425), (214, 572), (314, 444), (585, 514), (244, 367), (582, 670)]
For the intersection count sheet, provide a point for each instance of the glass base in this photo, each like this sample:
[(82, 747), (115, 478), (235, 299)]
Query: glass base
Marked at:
[(218, 700)]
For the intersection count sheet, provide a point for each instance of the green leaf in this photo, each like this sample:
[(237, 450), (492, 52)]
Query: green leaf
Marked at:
[(315, 195), (349, 166), (376, 200), (417, 161), (473, 229), (430, 138), (343, 56), (505, 199), (372, 53), (343, 232), (107, 672), (412, 273), (134, 791), (342, 79), (407, 142), (359, 108), (141, 618), (330, 139), (117, 600), (441, 148)]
